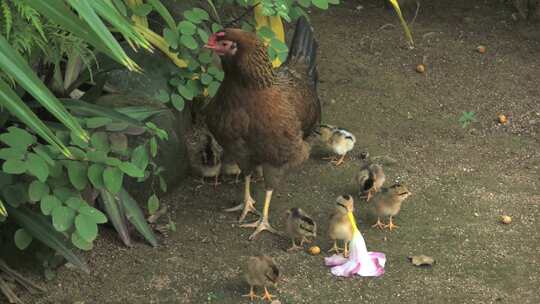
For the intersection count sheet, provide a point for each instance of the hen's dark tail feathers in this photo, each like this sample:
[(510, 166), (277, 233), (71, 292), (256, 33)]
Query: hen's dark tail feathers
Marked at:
[(303, 49)]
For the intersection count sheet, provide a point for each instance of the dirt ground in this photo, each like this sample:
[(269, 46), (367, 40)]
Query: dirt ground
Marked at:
[(463, 180)]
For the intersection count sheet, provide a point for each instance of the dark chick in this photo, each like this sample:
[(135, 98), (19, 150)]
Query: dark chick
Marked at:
[(300, 226), (261, 271), (388, 203), (204, 152), (369, 180), (263, 116)]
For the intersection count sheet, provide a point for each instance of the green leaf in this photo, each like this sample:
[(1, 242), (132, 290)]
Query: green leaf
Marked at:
[(171, 37), (186, 92), (62, 218), (113, 178), (64, 193), (80, 242), (213, 88), (162, 96), (216, 27), (305, 3), (192, 16), (14, 166), (37, 190), (117, 126), (265, 32), (153, 204), (15, 195), (97, 156), (204, 37), (139, 157), (100, 141), (201, 14), (49, 203), (189, 42), (96, 215), (75, 203), (98, 122), (187, 28), (22, 239), (77, 153), (77, 172), (120, 7), (111, 161), (119, 142), (40, 228), (131, 170), (5, 179), (75, 140), (153, 147), (95, 175), (42, 152), (322, 4), (17, 138), (206, 79), (12, 153), (163, 12), (335, 2), (115, 212), (86, 227), (142, 10), (162, 184), (177, 102), (213, 70), (136, 217)]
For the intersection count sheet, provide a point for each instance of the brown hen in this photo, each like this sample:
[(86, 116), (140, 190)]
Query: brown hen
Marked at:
[(262, 116)]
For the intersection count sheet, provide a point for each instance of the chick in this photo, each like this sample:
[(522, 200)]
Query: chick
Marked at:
[(260, 271), (300, 225), (230, 167), (337, 140), (340, 226), (370, 179), (388, 203), (204, 152)]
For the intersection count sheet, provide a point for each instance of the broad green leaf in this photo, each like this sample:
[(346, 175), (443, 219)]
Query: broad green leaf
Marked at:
[(113, 178), (15, 195), (117, 126), (163, 12), (139, 157), (186, 92), (162, 96), (136, 217), (100, 141), (43, 153), (22, 239), (131, 170), (213, 88), (206, 79), (49, 203), (97, 156), (189, 42), (216, 27), (153, 147), (305, 3), (119, 4), (119, 142), (77, 174), (40, 228), (213, 70), (153, 204), (322, 4), (95, 175), (62, 218), (97, 122), (76, 141), (204, 38), (205, 57), (17, 138), (187, 28), (142, 10), (77, 153), (37, 190), (75, 203), (12, 153), (201, 14), (96, 215), (80, 243), (86, 227), (14, 65), (111, 161), (192, 16), (177, 101), (14, 166), (171, 37), (64, 193)]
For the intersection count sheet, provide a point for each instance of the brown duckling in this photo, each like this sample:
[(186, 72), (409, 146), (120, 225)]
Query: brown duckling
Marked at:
[(261, 271), (340, 226), (388, 203), (300, 225)]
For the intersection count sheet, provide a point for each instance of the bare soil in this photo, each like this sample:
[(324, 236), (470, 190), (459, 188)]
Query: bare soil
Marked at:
[(463, 179)]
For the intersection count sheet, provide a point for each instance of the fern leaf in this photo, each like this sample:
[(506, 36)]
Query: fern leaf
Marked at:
[(7, 16)]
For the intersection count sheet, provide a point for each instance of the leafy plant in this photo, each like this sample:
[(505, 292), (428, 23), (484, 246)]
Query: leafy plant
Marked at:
[(467, 118)]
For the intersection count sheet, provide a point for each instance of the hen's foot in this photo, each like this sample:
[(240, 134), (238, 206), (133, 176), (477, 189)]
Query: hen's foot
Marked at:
[(295, 247), (304, 240), (391, 226), (247, 207), (267, 295), (339, 162), (379, 224), (261, 225), (335, 248), (251, 295)]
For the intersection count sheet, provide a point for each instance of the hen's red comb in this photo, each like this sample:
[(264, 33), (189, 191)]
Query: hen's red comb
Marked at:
[(213, 39)]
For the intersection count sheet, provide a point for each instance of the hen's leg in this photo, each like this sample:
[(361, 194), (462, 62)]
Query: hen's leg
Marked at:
[(346, 249), (267, 295), (251, 295), (262, 224), (391, 226), (334, 248), (249, 202)]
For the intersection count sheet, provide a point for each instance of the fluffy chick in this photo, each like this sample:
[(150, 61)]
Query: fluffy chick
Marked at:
[(388, 203), (369, 180), (337, 140), (340, 227), (204, 152), (261, 271), (230, 167), (300, 225)]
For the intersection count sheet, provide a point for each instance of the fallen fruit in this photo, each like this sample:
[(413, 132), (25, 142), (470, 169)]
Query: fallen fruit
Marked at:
[(502, 119), (481, 49), (314, 250), (420, 68), (505, 219), (421, 260)]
